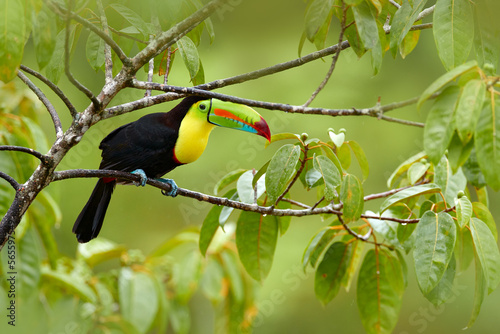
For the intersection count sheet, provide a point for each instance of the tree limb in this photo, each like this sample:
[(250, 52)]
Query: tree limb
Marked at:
[(14, 184), (44, 159), (53, 87), (48, 105)]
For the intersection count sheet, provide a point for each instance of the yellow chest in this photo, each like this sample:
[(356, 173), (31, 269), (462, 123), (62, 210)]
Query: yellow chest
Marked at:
[(193, 137)]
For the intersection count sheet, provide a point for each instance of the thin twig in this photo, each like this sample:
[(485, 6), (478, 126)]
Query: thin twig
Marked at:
[(46, 102), (87, 24), (167, 69), (71, 78), (43, 158), (151, 68), (395, 4), (54, 88), (11, 180), (334, 59), (108, 60), (425, 12)]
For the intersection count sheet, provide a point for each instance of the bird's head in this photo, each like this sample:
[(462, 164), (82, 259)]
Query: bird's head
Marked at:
[(233, 116)]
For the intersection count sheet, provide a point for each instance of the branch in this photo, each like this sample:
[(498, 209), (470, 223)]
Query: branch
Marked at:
[(76, 83), (87, 24), (334, 60), (41, 96), (175, 33), (54, 88), (11, 180), (44, 159), (376, 111), (108, 60)]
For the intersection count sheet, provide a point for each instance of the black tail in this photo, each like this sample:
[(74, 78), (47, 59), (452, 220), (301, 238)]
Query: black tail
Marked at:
[(89, 222)]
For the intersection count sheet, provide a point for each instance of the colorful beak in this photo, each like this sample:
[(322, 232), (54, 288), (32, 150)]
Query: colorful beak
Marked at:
[(239, 117)]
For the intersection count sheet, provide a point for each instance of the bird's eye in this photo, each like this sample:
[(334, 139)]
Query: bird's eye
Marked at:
[(202, 107)]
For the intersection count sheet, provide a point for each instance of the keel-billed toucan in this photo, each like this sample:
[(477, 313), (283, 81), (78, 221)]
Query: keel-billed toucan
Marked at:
[(157, 143)]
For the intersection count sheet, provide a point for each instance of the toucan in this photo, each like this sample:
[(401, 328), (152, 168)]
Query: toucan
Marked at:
[(159, 142)]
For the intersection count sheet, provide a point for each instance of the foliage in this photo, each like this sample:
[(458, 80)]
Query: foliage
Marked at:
[(429, 212)]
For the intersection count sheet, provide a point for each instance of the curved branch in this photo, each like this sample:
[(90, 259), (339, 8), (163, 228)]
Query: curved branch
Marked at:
[(87, 24), (72, 79), (376, 111), (54, 88), (14, 184), (108, 60), (43, 158), (48, 105)]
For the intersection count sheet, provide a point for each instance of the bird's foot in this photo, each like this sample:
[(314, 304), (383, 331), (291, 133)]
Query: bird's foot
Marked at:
[(143, 176), (173, 190)]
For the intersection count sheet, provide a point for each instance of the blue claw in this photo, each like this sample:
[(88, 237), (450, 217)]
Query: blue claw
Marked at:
[(173, 191), (143, 176)]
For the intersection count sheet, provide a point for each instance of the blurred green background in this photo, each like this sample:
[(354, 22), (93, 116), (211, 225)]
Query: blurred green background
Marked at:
[(251, 35)]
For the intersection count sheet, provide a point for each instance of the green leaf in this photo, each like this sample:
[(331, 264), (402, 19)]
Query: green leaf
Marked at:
[(450, 184), (487, 252), (282, 136), (280, 170), (486, 32), (403, 21), (99, 251), (443, 291), (458, 153), (366, 25), (361, 157), (256, 237), (187, 276), (12, 38), (469, 108), (70, 282), (386, 228), (403, 168), (331, 271), (464, 250), (445, 79), (95, 51), (228, 179), (212, 281), (262, 170), (246, 192), (317, 246), (482, 212), (417, 171), (44, 36), (351, 195), (316, 14), (138, 298), (329, 173), (379, 291), (434, 245), (473, 172), (208, 228), (230, 265), (439, 125), (55, 67), (422, 189), (487, 142), (354, 261), (464, 211), (133, 18), (453, 27), (28, 265), (189, 54), (479, 291)]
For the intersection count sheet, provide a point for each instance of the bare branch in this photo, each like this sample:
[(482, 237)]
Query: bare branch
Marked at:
[(10, 179), (87, 24), (76, 83), (426, 12), (108, 60), (334, 60), (48, 105), (43, 158), (54, 88), (168, 38), (376, 111)]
